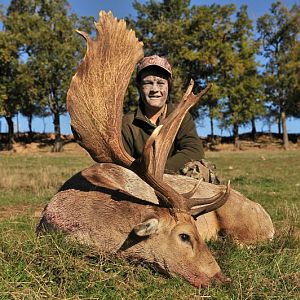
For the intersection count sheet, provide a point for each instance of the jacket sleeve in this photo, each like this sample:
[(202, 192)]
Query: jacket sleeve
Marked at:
[(188, 146)]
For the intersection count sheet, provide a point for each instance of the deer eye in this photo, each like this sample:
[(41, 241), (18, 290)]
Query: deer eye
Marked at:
[(185, 237)]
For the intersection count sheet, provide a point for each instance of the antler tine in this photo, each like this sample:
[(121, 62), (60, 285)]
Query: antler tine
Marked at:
[(147, 158), (210, 204), (171, 125), (191, 193)]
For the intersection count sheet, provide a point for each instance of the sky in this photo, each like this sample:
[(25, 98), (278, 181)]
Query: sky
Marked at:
[(123, 8)]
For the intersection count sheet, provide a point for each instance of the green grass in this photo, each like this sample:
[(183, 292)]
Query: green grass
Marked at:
[(270, 178), (50, 268)]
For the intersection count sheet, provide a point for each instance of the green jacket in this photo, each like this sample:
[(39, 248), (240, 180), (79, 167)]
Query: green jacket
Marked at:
[(187, 146)]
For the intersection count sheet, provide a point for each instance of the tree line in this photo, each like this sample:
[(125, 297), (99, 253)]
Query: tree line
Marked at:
[(39, 53)]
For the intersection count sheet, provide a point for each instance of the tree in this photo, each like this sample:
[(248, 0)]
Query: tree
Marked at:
[(194, 40), (161, 26), (46, 30), (203, 43), (279, 33), (30, 93), (243, 86), (9, 66), (293, 73), (207, 53)]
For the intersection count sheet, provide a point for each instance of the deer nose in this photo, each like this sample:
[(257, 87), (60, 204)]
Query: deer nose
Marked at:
[(220, 278)]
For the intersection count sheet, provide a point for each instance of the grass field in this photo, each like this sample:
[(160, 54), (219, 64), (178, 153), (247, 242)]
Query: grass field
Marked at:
[(50, 268)]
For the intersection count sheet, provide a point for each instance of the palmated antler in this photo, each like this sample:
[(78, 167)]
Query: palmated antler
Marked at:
[(171, 125), (96, 93), (95, 103)]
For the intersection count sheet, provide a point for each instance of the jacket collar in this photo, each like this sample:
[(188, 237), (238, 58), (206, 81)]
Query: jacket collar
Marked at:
[(140, 116)]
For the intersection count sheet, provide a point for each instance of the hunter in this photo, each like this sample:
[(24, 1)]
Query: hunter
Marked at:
[(154, 83)]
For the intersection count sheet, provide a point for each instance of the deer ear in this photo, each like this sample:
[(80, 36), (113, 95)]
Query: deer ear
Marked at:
[(146, 228)]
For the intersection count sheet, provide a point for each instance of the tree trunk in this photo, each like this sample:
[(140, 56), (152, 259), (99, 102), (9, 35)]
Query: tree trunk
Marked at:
[(58, 146), (212, 130), (29, 119), (44, 125), (253, 132), (18, 126), (236, 136), (279, 124), (284, 130), (10, 136)]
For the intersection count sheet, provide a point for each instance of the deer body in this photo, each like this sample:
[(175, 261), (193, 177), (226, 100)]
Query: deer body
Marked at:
[(241, 219), (102, 205), (110, 205), (93, 209)]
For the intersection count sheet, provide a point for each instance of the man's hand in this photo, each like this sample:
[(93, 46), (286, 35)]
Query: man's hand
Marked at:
[(201, 169)]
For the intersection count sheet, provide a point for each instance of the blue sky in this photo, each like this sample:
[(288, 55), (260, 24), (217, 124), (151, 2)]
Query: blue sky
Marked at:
[(122, 8)]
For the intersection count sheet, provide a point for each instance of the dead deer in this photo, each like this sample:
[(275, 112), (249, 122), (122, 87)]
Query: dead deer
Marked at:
[(110, 205)]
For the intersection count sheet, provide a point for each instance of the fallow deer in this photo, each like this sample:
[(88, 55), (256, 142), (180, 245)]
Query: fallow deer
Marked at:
[(110, 205)]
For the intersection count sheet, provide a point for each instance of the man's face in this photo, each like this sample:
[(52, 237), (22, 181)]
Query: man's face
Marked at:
[(154, 89)]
